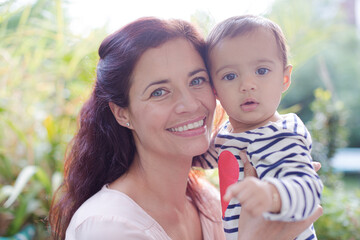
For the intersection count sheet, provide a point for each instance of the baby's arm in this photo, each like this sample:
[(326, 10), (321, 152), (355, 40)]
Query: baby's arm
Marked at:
[(251, 227), (255, 196), (282, 158), (299, 189), (289, 169)]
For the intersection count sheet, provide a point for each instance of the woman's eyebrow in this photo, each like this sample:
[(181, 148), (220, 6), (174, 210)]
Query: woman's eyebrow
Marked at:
[(192, 73), (155, 83)]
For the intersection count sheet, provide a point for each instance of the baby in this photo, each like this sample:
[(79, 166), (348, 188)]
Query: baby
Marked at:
[(247, 60)]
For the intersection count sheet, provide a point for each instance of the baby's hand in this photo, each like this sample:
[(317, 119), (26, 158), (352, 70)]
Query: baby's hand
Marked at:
[(255, 196)]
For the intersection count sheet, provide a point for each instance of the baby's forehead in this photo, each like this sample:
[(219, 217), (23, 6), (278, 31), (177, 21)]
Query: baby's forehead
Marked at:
[(258, 31), (253, 32)]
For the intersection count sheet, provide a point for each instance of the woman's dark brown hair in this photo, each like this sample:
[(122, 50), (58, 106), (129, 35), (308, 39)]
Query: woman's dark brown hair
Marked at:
[(102, 150)]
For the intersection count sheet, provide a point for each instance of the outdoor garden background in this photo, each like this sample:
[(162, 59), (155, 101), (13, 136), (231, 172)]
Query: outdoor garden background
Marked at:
[(47, 70)]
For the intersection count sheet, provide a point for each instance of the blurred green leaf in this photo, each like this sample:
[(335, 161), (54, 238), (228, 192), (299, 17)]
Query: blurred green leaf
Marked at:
[(20, 215), (44, 179), (20, 183), (5, 167), (56, 181), (20, 134)]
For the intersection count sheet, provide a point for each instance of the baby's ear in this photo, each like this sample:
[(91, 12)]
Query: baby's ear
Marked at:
[(121, 115), (287, 77)]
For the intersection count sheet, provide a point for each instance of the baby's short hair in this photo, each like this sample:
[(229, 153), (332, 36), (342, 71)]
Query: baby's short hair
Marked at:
[(239, 25)]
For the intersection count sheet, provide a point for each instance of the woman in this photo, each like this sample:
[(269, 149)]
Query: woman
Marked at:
[(151, 111)]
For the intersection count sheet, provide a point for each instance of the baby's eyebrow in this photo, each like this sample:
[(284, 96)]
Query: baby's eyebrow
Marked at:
[(225, 66), (265, 60)]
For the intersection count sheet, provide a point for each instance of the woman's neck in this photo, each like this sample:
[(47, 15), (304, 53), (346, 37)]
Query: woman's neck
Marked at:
[(155, 179), (158, 185)]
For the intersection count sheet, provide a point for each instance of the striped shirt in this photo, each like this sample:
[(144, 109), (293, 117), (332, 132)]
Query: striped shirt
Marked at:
[(280, 152)]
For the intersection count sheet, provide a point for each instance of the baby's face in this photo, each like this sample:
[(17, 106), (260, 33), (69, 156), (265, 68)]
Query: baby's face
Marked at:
[(249, 78)]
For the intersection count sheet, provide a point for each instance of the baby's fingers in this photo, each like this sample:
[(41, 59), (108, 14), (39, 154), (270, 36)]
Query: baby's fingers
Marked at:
[(232, 191), (249, 170)]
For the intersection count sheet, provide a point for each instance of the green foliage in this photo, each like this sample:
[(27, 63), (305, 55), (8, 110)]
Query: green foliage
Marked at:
[(328, 123), (26, 201), (203, 21), (341, 218), (45, 73), (322, 58), (328, 131)]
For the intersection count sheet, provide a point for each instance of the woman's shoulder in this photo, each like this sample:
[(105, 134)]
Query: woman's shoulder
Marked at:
[(109, 202), (113, 213)]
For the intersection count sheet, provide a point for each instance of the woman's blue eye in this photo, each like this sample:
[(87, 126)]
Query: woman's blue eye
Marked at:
[(197, 81), (157, 93), (262, 71), (230, 76)]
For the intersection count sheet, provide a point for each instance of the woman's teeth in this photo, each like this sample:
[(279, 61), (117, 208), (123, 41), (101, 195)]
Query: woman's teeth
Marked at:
[(188, 126)]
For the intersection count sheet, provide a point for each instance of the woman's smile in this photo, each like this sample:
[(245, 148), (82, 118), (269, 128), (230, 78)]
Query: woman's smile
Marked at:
[(193, 125)]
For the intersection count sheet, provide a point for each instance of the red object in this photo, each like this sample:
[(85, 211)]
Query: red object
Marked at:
[(228, 174)]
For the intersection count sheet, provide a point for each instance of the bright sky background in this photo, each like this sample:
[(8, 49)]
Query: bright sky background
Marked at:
[(87, 14)]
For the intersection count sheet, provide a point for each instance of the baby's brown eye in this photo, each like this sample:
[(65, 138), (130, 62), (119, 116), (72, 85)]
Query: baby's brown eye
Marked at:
[(230, 76), (262, 71)]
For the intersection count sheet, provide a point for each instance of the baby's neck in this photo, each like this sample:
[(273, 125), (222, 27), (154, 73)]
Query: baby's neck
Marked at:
[(239, 127)]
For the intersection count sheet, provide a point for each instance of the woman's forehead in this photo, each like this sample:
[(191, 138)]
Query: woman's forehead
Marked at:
[(175, 57)]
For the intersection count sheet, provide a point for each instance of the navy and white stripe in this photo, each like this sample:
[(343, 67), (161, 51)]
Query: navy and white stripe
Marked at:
[(280, 152)]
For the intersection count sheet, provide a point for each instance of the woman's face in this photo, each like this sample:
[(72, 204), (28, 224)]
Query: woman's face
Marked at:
[(171, 101)]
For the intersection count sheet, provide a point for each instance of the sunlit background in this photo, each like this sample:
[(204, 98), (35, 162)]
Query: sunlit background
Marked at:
[(48, 55), (117, 13)]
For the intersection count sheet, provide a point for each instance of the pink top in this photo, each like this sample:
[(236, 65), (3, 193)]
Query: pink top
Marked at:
[(111, 214)]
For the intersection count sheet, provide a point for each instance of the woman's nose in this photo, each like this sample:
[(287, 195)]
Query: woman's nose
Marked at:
[(187, 101)]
